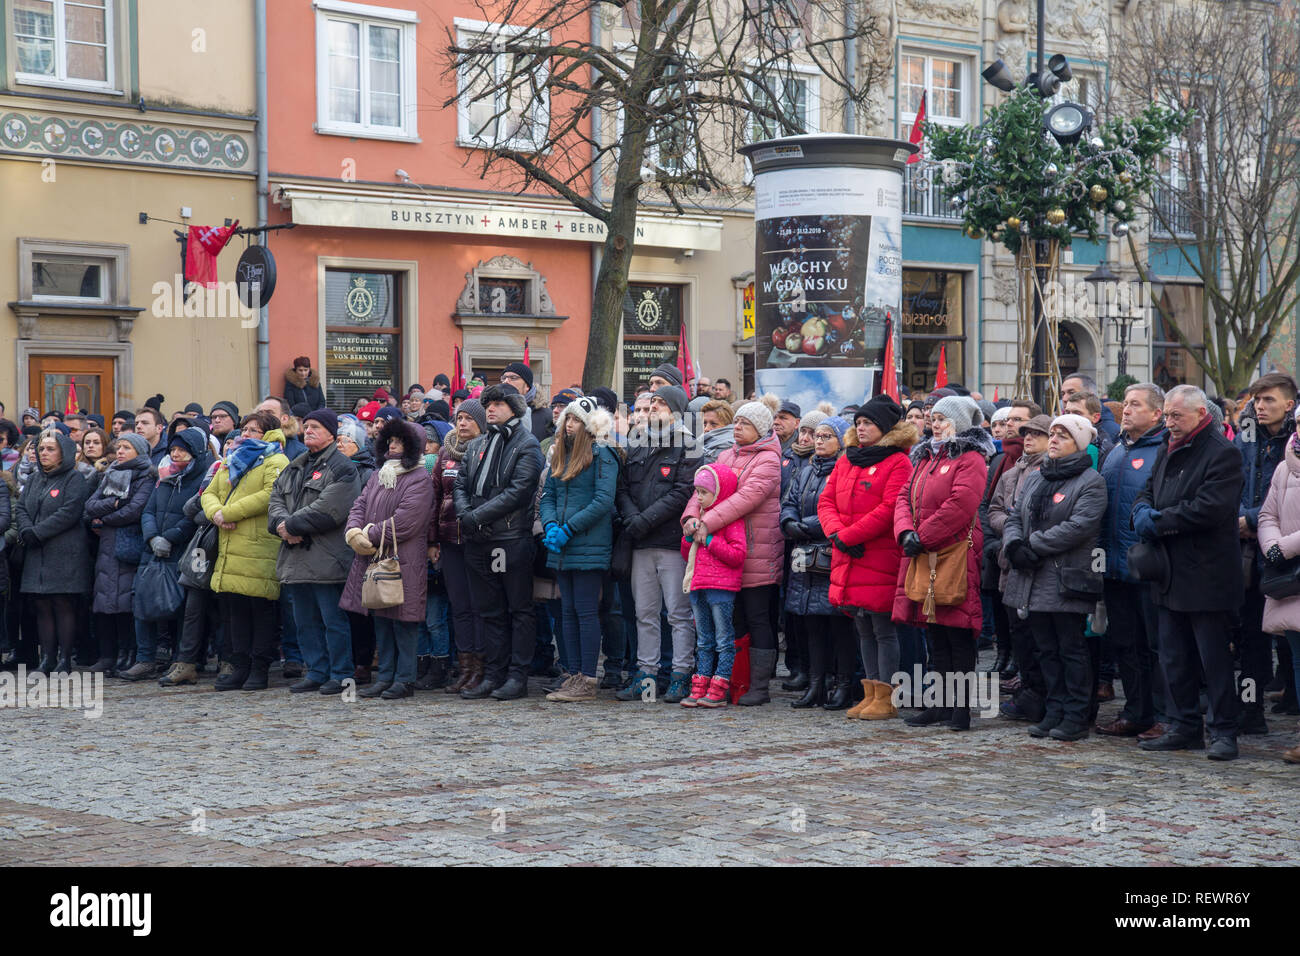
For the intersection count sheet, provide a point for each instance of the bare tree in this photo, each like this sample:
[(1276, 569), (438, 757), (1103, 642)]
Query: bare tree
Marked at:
[(658, 117), (1229, 202)]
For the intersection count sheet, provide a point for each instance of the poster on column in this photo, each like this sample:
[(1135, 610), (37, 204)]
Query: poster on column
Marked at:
[(828, 278)]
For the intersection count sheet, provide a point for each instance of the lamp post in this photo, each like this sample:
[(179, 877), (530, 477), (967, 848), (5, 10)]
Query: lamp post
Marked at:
[(1100, 279)]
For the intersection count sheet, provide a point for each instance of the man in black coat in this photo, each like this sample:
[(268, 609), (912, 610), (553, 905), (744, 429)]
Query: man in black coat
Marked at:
[(1189, 507), (494, 496)]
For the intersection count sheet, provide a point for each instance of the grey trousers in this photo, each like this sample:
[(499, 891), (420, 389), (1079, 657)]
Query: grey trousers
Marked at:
[(657, 575), (878, 644)]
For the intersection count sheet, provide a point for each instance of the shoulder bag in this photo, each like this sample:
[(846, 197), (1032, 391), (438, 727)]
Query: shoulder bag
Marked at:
[(381, 586), (938, 578)]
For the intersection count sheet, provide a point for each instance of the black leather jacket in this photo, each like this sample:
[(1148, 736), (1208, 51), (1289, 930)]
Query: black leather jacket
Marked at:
[(505, 511)]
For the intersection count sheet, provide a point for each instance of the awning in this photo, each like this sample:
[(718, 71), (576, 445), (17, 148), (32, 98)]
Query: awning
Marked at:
[(345, 208)]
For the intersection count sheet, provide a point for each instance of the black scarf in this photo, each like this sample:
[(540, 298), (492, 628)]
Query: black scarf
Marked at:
[(860, 457), (1054, 473), (489, 473)]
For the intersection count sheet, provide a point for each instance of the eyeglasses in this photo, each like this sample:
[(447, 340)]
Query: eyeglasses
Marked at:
[(824, 438)]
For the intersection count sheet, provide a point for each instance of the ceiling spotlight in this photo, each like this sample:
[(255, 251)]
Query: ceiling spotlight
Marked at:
[(998, 75), (1061, 67), (1067, 122)]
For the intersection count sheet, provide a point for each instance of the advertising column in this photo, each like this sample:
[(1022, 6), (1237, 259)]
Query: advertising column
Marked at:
[(828, 264)]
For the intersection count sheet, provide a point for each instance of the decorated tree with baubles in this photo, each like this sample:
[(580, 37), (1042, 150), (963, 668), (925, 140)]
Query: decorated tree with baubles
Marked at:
[(1012, 180)]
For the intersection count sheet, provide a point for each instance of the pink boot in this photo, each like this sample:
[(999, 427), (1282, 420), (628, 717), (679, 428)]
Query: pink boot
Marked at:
[(699, 687), (719, 688)]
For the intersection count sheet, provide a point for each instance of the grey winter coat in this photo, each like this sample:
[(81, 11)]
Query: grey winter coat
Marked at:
[(114, 579), (313, 497), (1064, 537), (52, 505)]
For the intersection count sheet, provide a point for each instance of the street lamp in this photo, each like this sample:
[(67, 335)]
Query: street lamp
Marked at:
[(998, 75), (1100, 278)]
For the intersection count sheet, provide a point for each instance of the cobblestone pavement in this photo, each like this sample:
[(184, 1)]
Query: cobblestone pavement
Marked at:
[(190, 776)]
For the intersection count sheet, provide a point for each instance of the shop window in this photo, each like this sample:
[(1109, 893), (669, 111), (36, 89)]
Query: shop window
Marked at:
[(933, 317), (363, 335), (652, 325), (365, 70), (65, 43)]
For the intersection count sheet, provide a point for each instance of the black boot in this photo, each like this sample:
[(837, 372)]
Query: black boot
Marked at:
[(796, 681), (928, 716), (238, 675), (1003, 663), (840, 695), (762, 663), (960, 719), (814, 696), (257, 676), (64, 665), (434, 676)]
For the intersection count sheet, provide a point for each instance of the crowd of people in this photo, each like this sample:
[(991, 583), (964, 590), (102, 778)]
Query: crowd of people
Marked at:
[(470, 539)]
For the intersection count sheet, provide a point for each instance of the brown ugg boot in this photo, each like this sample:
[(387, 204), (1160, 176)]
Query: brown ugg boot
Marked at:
[(869, 695), (881, 706)]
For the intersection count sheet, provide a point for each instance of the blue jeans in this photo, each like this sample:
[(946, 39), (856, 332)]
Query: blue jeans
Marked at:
[(395, 640), (552, 623), (435, 638), (288, 629), (580, 601), (715, 640), (324, 633), (146, 637)]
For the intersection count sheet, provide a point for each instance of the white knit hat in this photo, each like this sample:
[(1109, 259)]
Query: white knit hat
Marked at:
[(595, 419), (813, 418), (1080, 429), (758, 415), (1000, 414)]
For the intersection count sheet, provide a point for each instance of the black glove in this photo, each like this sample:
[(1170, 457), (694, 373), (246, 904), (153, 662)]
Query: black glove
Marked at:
[(852, 550), (469, 527), (1022, 556), (911, 542), (28, 537), (1275, 557), (790, 528), (637, 527)]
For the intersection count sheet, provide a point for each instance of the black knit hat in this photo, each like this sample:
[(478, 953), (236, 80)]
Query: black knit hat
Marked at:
[(606, 398), (328, 418), (522, 370), (882, 411)]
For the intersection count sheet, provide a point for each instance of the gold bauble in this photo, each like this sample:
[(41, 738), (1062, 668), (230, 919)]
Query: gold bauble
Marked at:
[(1098, 193), (1013, 222), (1056, 216), (1126, 177), (975, 232)]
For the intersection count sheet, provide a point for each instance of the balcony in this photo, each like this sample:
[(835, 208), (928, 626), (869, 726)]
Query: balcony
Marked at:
[(1171, 210), (925, 197)]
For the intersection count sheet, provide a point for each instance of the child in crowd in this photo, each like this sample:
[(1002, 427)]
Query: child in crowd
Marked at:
[(714, 564)]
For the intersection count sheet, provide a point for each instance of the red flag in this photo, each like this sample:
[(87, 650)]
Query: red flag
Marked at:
[(70, 406), (684, 364), (941, 376), (525, 350), (889, 374), (995, 394), (201, 250), (457, 372), (918, 134)]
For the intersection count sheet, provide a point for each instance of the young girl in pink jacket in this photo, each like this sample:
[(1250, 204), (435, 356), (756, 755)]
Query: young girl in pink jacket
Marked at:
[(714, 569)]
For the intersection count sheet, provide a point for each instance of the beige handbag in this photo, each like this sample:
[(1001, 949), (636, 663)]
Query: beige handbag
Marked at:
[(381, 586)]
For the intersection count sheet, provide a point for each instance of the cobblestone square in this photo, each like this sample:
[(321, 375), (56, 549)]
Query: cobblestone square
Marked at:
[(188, 776)]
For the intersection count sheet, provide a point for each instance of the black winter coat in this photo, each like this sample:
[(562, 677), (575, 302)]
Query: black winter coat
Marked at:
[(1197, 490), (165, 513), (654, 486), (6, 520), (313, 497), (114, 579), (807, 592), (52, 505), (505, 510)]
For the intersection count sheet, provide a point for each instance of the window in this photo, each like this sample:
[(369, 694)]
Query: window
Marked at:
[(1169, 192), (798, 93), (503, 100), (64, 42), (944, 80), (933, 316), (363, 335), (365, 71), (670, 142), (71, 279), (652, 325), (1171, 364)]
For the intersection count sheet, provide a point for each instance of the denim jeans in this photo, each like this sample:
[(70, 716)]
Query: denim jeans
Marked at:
[(396, 643), (435, 639), (324, 634), (715, 641), (289, 629), (146, 636), (553, 622), (580, 599)]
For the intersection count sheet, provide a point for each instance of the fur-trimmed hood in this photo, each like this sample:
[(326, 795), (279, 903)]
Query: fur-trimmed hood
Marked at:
[(903, 435), (313, 380), (412, 438), (973, 439)]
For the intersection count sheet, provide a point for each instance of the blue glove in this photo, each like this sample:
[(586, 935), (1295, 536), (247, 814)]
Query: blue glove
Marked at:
[(1144, 522), (562, 535), (548, 538)]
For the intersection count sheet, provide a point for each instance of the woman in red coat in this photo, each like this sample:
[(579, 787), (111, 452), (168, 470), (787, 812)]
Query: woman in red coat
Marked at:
[(857, 514), (939, 507)]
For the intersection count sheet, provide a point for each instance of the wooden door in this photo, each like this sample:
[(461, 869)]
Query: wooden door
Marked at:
[(51, 377)]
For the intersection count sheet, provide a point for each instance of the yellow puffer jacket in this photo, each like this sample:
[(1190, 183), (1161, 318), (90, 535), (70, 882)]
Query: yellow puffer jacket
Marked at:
[(246, 556)]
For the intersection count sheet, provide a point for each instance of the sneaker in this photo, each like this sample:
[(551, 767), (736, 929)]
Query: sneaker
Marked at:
[(551, 686), (699, 690), (719, 693), (141, 670), (612, 680), (581, 690), (679, 687), (180, 673), (1222, 748), (634, 687), (565, 686)]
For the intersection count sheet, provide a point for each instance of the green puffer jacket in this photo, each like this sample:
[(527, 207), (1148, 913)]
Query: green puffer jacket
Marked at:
[(246, 556), (586, 504)]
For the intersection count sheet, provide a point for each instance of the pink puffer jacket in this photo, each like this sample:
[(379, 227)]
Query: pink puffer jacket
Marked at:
[(757, 501), (1279, 524), (719, 565)]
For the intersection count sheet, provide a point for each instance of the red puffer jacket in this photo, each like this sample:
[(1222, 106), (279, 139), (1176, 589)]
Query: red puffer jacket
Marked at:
[(444, 527), (858, 505), (948, 487)]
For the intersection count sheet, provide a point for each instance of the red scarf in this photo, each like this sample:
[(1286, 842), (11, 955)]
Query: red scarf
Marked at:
[(1175, 445)]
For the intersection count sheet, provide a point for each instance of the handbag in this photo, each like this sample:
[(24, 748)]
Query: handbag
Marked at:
[(381, 586), (811, 559), (938, 578), (1281, 580), (200, 558), (158, 595), (128, 544), (1081, 583)]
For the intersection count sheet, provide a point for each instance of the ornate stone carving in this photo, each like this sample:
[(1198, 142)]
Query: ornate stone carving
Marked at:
[(1006, 286), (468, 301), (943, 11), (537, 301)]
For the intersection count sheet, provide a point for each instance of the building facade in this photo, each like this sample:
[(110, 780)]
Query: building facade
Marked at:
[(110, 109)]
